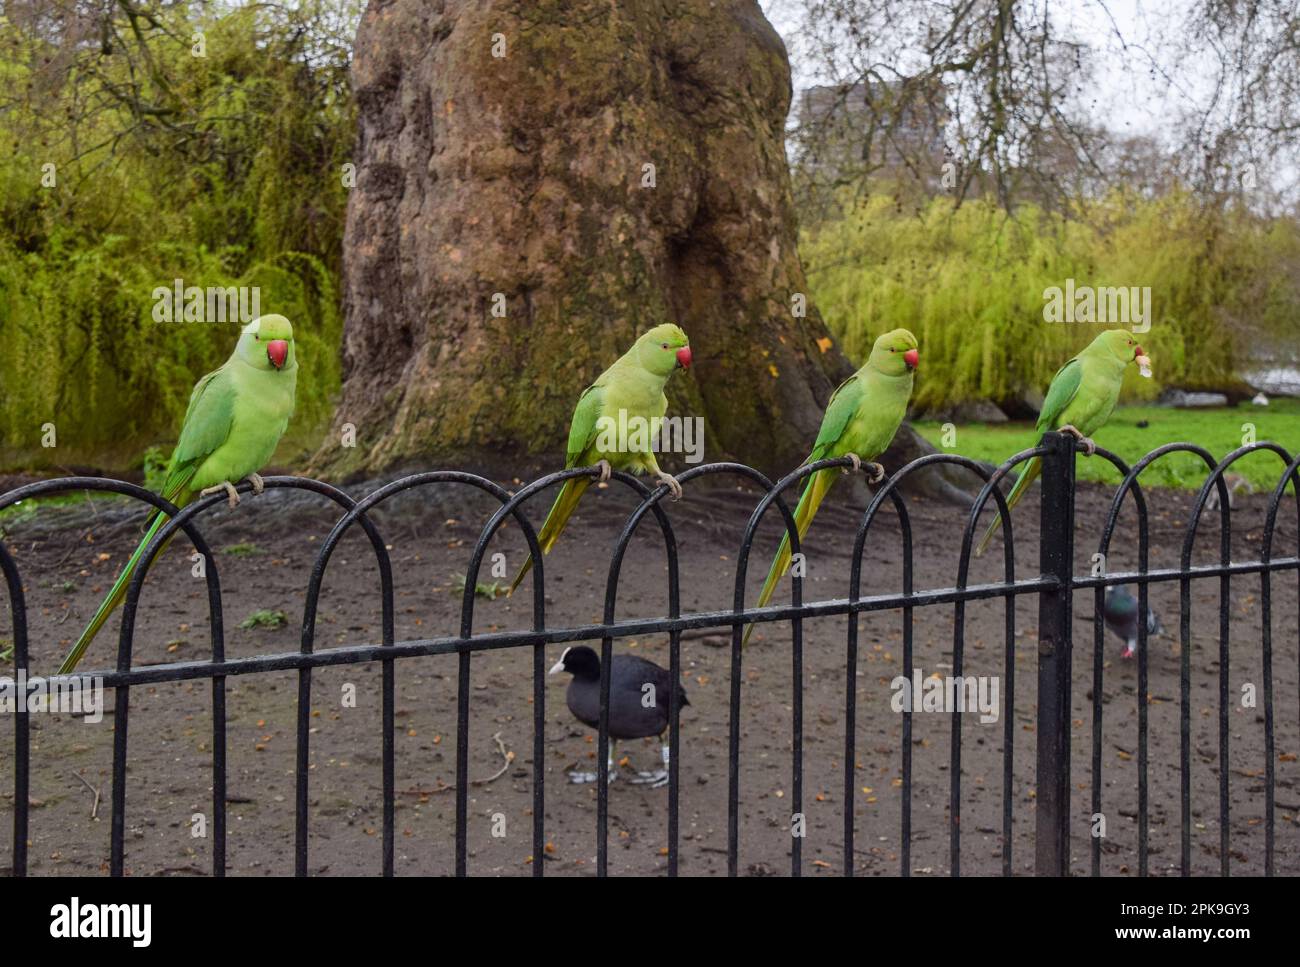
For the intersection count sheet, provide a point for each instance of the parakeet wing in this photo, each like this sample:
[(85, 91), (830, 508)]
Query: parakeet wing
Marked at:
[(582, 430), (1065, 384), (843, 404), (207, 425)]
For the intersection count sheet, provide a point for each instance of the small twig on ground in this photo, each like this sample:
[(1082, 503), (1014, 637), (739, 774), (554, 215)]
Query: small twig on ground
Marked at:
[(78, 545), (94, 809), (91, 504), (506, 755)]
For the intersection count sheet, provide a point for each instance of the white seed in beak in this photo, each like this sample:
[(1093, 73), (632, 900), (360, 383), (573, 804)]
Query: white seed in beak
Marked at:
[(1144, 366)]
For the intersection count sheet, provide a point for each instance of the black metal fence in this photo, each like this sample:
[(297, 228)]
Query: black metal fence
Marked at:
[(1054, 587)]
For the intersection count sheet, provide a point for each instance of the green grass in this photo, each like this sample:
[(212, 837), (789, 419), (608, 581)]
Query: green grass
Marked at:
[(244, 549), (25, 510), (482, 589), (1217, 430), (265, 619)]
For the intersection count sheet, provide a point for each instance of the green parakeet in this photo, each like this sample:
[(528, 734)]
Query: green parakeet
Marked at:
[(1079, 402), (861, 419), (628, 394), (235, 419)]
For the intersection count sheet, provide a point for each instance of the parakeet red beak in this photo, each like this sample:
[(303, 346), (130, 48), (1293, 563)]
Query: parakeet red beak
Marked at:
[(684, 357), (912, 358), (277, 351), (1138, 351)]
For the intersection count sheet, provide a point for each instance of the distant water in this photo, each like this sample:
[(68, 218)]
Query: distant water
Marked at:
[(1275, 380)]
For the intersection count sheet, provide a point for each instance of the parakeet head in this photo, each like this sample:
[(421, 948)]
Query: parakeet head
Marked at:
[(1124, 346), (895, 353), (664, 349), (267, 343)]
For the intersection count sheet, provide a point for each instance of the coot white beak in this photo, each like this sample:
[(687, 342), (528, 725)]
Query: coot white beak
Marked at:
[(559, 665)]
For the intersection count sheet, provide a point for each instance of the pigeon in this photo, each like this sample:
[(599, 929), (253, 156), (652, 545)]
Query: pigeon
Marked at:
[(1120, 613), (638, 703)]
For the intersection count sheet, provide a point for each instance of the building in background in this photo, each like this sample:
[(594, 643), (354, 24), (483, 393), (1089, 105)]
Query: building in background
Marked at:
[(892, 130)]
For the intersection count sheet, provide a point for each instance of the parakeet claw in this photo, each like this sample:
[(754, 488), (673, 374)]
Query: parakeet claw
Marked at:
[(231, 494), (673, 486), (855, 460), (605, 471), (875, 473), (1088, 445), (258, 484)]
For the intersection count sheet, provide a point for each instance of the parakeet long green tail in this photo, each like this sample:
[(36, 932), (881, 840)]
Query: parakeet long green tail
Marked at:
[(118, 593), (1028, 475), (565, 502), (811, 498)]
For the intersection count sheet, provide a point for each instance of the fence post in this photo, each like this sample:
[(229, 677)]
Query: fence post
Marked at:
[(1056, 558)]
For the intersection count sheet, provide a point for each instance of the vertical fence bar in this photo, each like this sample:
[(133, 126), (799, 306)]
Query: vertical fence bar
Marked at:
[(1056, 558), (850, 724), (733, 755), (1266, 647), (22, 743), (388, 751), (539, 759), (1098, 680), (1144, 763), (1225, 598), (117, 834), (301, 756), (1184, 734), (905, 820), (1008, 733), (796, 731), (674, 748), (954, 771), (602, 758), (462, 763), (218, 742)]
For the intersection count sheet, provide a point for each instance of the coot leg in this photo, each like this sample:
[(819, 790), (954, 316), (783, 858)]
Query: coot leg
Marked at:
[(580, 778), (657, 778)]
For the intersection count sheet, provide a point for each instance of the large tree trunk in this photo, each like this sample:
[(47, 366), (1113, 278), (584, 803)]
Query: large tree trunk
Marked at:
[(520, 182)]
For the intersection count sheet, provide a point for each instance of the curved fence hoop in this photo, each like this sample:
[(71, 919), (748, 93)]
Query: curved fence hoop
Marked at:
[(991, 480), (372, 500), (127, 636)]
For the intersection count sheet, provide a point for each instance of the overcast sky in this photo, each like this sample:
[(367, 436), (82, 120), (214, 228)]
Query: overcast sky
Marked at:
[(1126, 96)]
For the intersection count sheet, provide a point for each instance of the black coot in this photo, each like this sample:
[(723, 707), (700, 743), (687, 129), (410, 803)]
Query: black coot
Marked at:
[(638, 702)]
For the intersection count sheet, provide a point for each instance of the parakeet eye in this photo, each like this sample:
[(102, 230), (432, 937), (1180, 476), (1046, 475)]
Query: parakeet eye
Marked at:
[(664, 346)]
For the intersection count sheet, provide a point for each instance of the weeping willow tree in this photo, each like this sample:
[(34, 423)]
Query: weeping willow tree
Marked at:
[(970, 283), (147, 142)]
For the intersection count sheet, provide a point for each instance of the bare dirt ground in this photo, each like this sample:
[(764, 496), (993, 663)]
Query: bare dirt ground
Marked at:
[(69, 555)]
